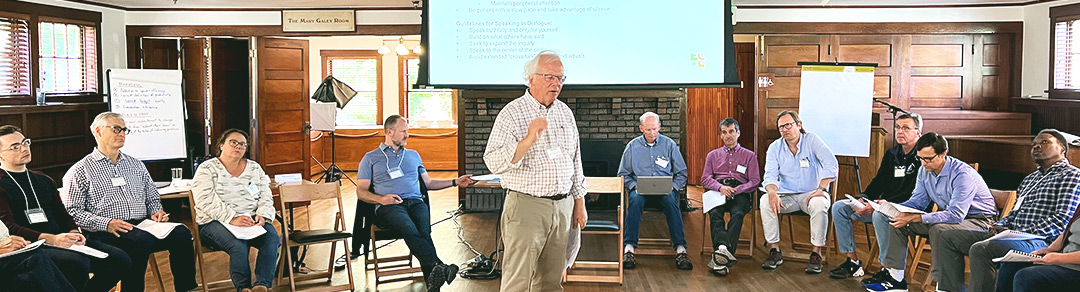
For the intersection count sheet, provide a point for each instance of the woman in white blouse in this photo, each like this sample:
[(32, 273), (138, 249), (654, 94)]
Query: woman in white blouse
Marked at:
[(232, 196)]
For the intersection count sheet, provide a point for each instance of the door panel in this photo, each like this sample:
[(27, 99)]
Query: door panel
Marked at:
[(193, 59), (282, 107)]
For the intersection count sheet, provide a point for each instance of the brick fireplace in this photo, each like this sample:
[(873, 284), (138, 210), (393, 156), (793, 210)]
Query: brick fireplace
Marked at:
[(606, 119)]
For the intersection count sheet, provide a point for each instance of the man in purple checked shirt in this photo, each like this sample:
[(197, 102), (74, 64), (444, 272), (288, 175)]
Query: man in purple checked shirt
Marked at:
[(733, 172)]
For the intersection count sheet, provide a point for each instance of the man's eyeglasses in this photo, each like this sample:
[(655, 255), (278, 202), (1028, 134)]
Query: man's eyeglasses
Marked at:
[(235, 143), (552, 78), (927, 159), (119, 129), (20, 145), (903, 129), (786, 126)]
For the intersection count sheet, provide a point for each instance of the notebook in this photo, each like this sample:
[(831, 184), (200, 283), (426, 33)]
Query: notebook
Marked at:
[(1017, 256)]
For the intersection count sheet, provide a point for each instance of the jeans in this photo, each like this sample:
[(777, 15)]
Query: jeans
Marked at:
[(843, 215), (728, 234), (412, 219), (1027, 277), (215, 236), (31, 271), (76, 266), (670, 204), (957, 243), (139, 244)]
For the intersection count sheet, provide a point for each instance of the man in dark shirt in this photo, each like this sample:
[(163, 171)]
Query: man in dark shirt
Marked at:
[(31, 208), (894, 182)]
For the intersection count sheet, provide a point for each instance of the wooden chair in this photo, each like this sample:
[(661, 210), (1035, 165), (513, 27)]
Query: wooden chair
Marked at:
[(653, 245), (194, 228), (1004, 201), (918, 245), (706, 233), (397, 268), (308, 193), (800, 251), (602, 185)]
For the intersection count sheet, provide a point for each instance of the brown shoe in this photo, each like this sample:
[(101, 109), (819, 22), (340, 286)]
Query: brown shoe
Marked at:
[(260, 288), (245, 290)]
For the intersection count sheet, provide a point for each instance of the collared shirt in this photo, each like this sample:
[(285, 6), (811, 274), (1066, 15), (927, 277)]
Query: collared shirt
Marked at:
[(958, 190), (379, 163), (21, 191), (662, 158), (1045, 200), (736, 163), (92, 198), (886, 185), (221, 196), (802, 171), (552, 166)]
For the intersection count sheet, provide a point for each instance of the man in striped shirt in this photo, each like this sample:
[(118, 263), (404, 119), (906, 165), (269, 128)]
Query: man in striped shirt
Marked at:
[(1046, 199), (107, 192), (534, 147)]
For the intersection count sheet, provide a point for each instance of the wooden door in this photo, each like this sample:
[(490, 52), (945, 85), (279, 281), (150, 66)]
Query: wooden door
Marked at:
[(940, 67), (193, 60), (706, 107), (160, 53), (281, 119)]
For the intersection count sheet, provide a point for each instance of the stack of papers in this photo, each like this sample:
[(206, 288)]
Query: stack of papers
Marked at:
[(1017, 256), (712, 199), (854, 203), (26, 248), (158, 229), (893, 210), (1015, 235), (244, 232)]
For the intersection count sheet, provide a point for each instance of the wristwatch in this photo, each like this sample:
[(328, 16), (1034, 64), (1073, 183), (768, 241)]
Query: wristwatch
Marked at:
[(453, 182)]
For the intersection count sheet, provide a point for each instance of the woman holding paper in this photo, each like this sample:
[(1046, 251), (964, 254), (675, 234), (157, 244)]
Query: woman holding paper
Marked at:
[(234, 210)]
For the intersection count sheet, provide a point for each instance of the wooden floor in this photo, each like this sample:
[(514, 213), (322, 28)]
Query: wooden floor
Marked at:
[(653, 273)]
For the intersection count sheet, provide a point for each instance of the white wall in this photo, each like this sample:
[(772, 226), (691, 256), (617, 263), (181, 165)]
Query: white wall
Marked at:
[(1036, 59), (113, 32)]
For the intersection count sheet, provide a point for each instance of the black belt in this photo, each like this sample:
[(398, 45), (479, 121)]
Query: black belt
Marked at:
[(730, 182), (556, 197)]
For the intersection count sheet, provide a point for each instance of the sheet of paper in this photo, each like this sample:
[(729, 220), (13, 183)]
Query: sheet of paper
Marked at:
[(158, 229), (90, 251), (854, 203), (1015, 235), (244, 232), (893, 210), (1017, 256), (26, 248), (485, 177), (778, 190), (711, 199)]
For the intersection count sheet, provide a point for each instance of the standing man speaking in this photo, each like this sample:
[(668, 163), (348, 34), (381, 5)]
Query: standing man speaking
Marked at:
[(534, 148)]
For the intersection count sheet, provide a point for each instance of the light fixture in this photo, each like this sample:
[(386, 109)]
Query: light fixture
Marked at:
[(383, 50), (401, 49), (417, 50)]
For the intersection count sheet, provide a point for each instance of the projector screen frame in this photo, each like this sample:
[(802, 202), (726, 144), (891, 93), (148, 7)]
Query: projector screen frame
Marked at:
[(731, 75)]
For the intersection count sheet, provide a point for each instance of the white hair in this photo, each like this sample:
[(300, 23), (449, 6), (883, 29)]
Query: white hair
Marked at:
[(646, 115), (101, 119), (533, 64)]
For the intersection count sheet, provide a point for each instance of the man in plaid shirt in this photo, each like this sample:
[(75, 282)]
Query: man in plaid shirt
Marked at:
[(109, 192), (1045, 201)]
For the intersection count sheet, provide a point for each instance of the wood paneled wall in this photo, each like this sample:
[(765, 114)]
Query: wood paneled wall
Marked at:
[(706, 107), (437, 147), (61, 133), (1059, 114)]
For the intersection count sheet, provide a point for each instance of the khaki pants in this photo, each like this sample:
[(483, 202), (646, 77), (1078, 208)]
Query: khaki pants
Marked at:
[(817, 208), (535, 235)]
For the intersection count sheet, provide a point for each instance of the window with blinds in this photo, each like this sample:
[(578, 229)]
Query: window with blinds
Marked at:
[(362, 74), (14, 57), (67, 58), (432, 108)]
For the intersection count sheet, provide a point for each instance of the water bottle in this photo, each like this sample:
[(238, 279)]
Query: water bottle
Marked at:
[(40, 97)]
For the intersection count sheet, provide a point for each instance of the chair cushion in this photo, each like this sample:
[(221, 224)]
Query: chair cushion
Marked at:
[(318, 235), (601, 225)]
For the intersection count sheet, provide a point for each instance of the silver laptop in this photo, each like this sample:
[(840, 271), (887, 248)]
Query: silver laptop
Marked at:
[(654, 185)]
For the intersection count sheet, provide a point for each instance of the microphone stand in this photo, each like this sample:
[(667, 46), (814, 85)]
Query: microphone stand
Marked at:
[(895, 111)]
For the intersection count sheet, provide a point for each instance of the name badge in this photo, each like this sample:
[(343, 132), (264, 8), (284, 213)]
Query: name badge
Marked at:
[(661, 162), (899, 171), (118, 182), (741, 169), (36, 215), (554, 152), (1016, 206), (396, 173), (804, 163), (253, 189)]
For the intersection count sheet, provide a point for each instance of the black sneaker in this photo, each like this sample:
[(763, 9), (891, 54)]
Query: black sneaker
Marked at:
[(846, 270), (628, 261), (877, 277), (775, 259), (814, 265), (888, 284), (682, 261), (436, 278), (451, 272)]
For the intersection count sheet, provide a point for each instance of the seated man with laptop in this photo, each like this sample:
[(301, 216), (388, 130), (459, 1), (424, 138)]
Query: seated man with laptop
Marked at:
[(652, 165)]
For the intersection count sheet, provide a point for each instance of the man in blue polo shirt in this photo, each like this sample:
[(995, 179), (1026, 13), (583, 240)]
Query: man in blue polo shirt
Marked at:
[(652, 154), (395, 172), (963, 199)]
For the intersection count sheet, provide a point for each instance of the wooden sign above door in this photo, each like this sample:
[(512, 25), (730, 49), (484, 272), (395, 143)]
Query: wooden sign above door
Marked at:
[(318, 20)]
